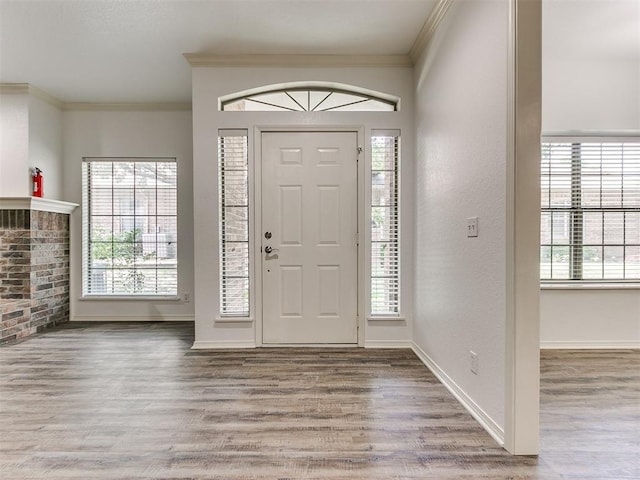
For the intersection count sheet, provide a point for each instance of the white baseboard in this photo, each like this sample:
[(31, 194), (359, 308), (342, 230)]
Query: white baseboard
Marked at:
[(387, 344), (205, 345), (589, 345), (467, 402), (133, 318)]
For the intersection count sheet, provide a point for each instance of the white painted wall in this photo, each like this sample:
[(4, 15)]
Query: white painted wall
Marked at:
[(591, 65), (45, 145), (461, 129), (590, 319), (122, 134), (590, 83), (209, 83), (15, 180), (589, 95)]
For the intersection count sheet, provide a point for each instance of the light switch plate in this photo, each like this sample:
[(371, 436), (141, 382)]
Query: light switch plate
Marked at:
[(472, 227)]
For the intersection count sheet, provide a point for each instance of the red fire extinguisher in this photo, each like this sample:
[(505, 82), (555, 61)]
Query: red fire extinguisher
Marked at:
[(37, 182)]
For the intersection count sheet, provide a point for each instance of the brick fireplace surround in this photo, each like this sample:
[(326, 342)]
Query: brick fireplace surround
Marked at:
[(34, 265)]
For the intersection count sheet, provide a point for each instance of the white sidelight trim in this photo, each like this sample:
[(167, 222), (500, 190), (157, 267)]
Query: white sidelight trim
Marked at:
[(488, 423), (239, 320)]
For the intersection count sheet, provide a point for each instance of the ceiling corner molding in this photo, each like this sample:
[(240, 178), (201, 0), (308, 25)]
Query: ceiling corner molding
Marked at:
[(128, 107), (428, 29), (214, 60), (45, 97), (14, 88), (27, 89)]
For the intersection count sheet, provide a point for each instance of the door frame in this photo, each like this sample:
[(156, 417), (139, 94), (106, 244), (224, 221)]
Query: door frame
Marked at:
[(256, 200)]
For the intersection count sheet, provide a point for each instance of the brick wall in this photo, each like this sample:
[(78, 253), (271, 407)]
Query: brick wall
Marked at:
[(34, 271)]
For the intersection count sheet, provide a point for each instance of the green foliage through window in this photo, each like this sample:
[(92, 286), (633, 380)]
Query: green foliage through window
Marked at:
[(129, 226)]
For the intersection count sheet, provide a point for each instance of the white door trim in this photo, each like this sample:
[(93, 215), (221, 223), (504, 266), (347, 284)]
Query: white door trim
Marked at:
[(256, 220)]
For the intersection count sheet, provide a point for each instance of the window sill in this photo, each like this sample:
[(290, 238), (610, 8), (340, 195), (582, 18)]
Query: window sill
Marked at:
[(590, 286), (383, 318), (233, 320), (144, 298)]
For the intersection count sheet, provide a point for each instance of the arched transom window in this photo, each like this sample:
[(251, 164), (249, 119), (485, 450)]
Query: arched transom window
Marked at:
[(309, 99)]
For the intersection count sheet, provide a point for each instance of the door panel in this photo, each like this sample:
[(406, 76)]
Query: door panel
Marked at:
[(309, 203)]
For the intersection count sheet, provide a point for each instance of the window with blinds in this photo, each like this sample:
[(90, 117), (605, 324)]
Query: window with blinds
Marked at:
[(385, 228), (233, 188), (129, 226), (590, 216)]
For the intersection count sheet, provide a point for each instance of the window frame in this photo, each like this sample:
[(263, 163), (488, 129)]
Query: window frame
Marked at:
[(576, 212), (222, 312), (394, 313), (294, 102), (86, 224)]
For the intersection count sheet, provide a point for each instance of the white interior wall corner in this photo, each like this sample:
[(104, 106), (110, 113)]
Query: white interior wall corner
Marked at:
[(461, 153)]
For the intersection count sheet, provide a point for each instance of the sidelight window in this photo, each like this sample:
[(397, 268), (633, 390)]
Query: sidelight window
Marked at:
[(233, 188), (385, 224)]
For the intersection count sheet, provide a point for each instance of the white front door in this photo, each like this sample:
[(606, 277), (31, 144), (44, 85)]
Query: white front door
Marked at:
[(309, 237)]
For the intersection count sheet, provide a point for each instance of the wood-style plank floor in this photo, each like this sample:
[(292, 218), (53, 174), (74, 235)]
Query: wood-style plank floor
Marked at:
[(132, 401)]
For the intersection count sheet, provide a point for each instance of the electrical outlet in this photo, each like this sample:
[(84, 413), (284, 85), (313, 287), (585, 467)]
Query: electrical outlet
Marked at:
[(472, 227), (186, 297), (473, 357)]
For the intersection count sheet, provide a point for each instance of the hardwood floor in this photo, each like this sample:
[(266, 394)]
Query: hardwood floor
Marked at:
[(116, 401), (590, 412)]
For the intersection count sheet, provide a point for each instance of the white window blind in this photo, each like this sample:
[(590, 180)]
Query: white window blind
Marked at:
[(233, 177), (385, 227), (590, 216), (129, 226)]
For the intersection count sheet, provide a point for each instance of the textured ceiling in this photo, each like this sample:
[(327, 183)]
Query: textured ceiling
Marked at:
[(131, 50)]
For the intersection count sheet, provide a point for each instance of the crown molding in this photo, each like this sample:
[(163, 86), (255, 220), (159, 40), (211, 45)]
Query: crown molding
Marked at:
[(45, 97), (213, 60), (27, 89), (428, 29), (14, 88), (127, 107)]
